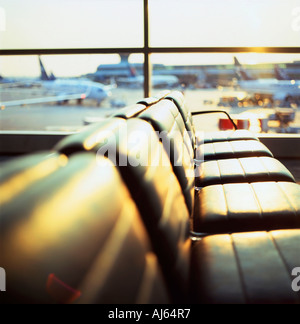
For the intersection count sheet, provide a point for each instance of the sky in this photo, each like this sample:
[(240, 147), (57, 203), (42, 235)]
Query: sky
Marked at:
[(119, 23)]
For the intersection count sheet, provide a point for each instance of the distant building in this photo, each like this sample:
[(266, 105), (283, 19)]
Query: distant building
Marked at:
[(212, 75)]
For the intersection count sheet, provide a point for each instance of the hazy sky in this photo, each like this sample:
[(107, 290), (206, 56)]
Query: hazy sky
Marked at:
[(119, 23)]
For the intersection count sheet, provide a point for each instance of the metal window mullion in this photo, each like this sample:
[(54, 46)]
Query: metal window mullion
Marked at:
[(149, 50), (147, 63)]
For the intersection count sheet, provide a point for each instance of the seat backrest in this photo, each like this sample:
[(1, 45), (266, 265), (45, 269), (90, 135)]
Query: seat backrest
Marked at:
[(18, 174), (134, 110), (145, 167), (167, 121), (131, 111), (154, 99), (87, 139), (178, 98), (63, 240)]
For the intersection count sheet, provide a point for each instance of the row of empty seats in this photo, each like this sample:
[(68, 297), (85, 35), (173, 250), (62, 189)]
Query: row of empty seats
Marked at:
[(141, 208)]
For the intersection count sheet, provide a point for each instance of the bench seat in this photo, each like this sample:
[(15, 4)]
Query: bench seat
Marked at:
[(246, 268), (112, 215), (228, 136), (253, 169), (206, 137), (62, 241), (153, 185), (231, 150), (242, 207)]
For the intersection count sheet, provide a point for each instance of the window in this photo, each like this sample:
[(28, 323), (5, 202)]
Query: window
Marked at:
[(257, 89), (57, 24), (191, 44), (66, 92), (219, 23)]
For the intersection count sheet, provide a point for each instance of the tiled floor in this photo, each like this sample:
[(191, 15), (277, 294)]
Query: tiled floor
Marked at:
[(294, 167)]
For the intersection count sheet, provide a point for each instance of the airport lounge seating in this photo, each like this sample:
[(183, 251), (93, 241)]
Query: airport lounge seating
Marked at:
[(153, 186), (233, 239), (245, 268), (165, 118), (242, 207), (63, 241), (206, 137), (242, 170)]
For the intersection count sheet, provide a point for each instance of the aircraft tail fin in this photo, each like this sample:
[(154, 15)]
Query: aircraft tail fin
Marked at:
[(52, 77), (133, 71), (44, 75), (280, 74), (242, 73), (236, 62)]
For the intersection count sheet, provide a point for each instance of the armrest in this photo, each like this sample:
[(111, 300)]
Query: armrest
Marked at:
[(196, 113)]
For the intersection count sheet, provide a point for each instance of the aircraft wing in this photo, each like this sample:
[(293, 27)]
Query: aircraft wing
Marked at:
[(34, 101)]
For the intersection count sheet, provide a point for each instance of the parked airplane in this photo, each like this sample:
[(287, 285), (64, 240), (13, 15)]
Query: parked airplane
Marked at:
[(63, 90), (6, 82), (83, 89), (280, 74), (283, 76), (158, 81), (273, 89), (128, 75)]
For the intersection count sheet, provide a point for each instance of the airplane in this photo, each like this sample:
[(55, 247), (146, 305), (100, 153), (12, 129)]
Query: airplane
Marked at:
[(75, 88), (6, 81), (283, 76), (64, 90), (106, 72), (280, 74), (158, 81), (126, 74), (273, 89)]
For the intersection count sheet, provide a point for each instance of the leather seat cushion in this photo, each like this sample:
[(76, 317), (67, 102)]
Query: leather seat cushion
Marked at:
[(224, 136), (145, 167), (178, 98), (251, 169), (169, 125), (230, 150), (247, 207), (63, 237), (246, 267), (18, 174), (131, 111)]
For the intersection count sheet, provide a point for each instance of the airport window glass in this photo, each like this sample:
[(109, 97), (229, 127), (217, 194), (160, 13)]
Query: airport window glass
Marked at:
[(39, 24), (208, 80), (230, 23), (260, 91), (70, 91)]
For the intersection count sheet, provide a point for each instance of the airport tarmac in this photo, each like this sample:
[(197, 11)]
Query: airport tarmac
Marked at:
[(71, 117)]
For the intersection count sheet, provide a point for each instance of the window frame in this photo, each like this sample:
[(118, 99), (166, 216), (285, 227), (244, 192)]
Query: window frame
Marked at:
[(147, 51)]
